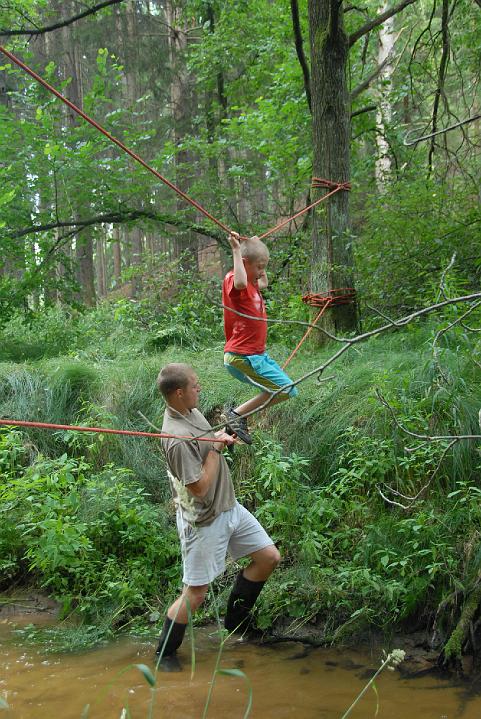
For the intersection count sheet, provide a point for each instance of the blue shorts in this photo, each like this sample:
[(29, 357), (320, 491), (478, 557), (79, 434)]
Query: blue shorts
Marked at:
[(261, 371)]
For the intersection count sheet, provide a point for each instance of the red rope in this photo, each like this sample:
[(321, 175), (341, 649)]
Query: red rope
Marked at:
[(334, 187), (341, 296), (112, 138), (306, 335), (317, 182), (104, 430)]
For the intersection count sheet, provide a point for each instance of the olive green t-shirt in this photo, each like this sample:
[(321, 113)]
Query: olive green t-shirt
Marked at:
[(184, 462)]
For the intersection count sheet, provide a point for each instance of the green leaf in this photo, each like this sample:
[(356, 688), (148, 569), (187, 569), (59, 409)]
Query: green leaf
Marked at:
[(238, 673), (148, 676), (7, 197)]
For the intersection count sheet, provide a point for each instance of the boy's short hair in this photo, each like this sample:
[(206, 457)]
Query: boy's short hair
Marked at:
[(254, 249), (173, 376)]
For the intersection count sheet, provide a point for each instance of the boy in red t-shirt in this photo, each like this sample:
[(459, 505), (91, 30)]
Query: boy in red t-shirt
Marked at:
[(245, 348)]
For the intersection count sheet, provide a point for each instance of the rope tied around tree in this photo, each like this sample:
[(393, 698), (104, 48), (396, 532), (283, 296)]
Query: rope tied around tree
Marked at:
[(323, 300), (329, 184)]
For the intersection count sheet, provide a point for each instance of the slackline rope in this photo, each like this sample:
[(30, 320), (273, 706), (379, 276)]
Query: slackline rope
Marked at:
[(317, 182), (105, 430), (323, 300)]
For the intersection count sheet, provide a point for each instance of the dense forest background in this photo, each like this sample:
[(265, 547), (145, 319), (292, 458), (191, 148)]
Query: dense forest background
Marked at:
[(106, 274)]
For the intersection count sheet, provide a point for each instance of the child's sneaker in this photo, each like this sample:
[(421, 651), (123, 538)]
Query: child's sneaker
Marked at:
[(237, 424)]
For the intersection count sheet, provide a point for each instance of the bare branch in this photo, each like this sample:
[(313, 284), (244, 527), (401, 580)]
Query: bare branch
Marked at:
[(362, 110), (441, 78), (64, 23), (296, 25), (408, 143), (365, 83), (412, 500), (423, 437), (377, 71), (378, 20), (119, 218), (381, 314)]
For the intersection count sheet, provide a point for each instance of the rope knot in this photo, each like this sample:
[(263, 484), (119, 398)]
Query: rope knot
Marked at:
[(329, 184), (339, 296)]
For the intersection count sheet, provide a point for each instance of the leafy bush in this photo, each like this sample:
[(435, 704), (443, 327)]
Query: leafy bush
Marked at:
[(49, 333), (94, 540)]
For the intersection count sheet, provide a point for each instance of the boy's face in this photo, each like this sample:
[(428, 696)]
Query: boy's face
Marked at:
[(256, 268), (190, 393)]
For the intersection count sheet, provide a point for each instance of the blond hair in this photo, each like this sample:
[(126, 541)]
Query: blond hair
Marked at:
[(254, 249)]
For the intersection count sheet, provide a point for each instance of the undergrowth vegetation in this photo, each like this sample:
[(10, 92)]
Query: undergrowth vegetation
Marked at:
[(88, 516)]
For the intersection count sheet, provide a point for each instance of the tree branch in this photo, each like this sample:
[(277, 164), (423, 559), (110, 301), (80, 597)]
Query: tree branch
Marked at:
[(441, 77), (296, 26), (120, 217), (378, 20), (365, 83), (64, 23), (362, 110), (348, 342), (377, 71)]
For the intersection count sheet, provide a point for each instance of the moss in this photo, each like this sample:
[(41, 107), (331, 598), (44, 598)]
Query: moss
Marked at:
[(454, 646)]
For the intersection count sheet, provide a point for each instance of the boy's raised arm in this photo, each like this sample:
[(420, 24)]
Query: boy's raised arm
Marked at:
[(240, 275)]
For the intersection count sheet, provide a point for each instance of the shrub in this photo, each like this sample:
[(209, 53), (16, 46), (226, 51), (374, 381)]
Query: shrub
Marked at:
[(94, 540)]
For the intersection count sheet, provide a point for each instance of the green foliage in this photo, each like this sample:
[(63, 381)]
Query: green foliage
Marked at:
[(408, 238), (349, 560), (94, 540)]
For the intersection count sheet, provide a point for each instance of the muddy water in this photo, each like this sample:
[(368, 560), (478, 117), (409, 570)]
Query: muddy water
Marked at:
[(287, 681)]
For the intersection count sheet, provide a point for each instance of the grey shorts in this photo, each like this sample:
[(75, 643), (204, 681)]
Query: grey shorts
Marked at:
[(204, 549)]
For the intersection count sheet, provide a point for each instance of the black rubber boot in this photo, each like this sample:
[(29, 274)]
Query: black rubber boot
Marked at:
[(242, 599), (170, 640)]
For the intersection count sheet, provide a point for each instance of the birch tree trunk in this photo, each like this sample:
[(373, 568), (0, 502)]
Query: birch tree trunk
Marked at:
[(383, 164)]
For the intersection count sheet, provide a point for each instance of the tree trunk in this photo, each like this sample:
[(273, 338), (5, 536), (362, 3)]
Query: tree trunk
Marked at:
[(384, 109), (117, 256), (185, 244), (332, 264), (133, 89), (100, 267), (74, 92)]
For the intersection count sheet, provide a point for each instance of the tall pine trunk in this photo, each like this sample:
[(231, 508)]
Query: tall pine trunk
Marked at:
[(185, 243), (83, 241)]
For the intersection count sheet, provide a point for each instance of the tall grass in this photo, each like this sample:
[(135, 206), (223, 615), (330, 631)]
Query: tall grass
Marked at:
[(348, 557)]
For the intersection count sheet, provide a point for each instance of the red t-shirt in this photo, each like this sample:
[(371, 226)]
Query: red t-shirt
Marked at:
[(243, 336)]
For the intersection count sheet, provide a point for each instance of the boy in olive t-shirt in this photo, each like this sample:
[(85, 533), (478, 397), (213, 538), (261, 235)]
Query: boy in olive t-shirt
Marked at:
[(210, 521)]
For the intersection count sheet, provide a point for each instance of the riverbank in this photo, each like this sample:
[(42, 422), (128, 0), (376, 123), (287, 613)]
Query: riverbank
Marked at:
[(377, 532), (40, 613)]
